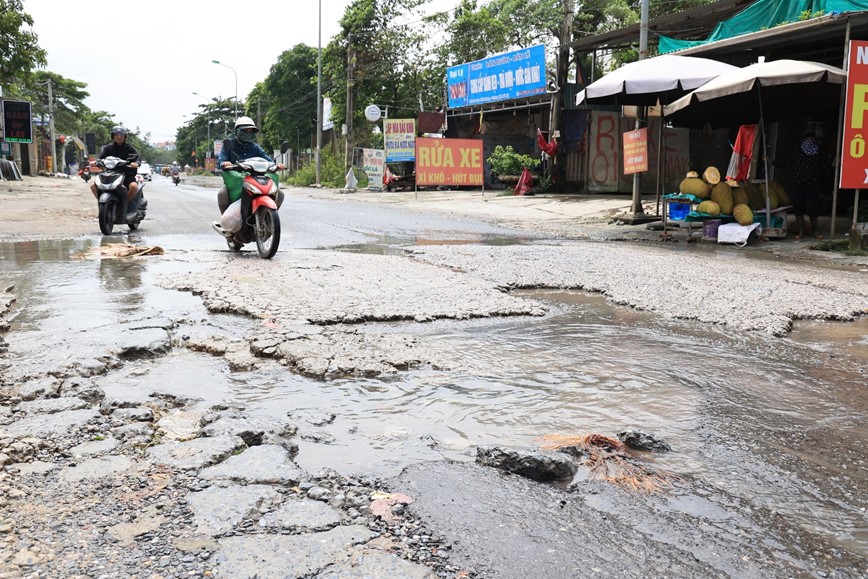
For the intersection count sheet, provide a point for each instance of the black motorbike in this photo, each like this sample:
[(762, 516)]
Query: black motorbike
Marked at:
[(84, 173), (113, 206), (176, 178)]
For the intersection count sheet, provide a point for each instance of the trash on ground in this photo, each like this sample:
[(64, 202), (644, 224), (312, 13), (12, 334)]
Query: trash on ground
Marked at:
[(608, 459)]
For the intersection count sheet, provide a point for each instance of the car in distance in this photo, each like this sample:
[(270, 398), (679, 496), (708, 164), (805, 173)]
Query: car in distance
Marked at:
[(145, 171)]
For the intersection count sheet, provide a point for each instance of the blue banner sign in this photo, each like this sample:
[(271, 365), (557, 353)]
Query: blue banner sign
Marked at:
[(506, 76)]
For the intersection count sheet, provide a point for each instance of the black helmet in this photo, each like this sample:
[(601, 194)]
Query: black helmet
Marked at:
[(119, 130)]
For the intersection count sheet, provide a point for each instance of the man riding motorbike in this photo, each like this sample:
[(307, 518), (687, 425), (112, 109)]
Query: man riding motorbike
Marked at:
[(123, 150), (244, 146)]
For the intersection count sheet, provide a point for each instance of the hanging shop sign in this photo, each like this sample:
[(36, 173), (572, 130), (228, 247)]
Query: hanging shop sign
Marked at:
[(451, 162), (507, 76), (399, 136), (635, 151), (854, 160)]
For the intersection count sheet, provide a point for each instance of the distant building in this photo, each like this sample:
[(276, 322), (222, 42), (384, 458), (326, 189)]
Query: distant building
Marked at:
[(165, 145)]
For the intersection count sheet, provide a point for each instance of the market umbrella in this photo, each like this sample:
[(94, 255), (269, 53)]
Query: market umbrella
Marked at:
[(651, 81), (646, 82), (773, 90), (765, 91)]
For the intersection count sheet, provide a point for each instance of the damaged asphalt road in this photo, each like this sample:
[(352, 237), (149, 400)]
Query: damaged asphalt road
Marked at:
[(149, 441)]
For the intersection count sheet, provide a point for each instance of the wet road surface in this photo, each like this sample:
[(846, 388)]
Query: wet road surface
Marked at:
[(767, 433)]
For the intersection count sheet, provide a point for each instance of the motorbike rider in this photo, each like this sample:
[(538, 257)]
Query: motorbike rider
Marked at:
[(123, 150), (175, 169), (244, 146)]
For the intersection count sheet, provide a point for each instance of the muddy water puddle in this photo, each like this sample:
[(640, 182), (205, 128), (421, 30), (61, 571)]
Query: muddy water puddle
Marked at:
[(778, 422)]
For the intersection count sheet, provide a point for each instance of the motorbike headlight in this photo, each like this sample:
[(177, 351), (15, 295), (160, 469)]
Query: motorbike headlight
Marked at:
[(249, 187), (273, 190)]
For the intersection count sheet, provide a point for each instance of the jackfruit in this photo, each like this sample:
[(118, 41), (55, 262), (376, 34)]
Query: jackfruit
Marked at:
[(694, 186), (774, 202), (722, 195), (739, 196), (709, 207), (742, 214), (711, 175), (783, 196), (756, 199)]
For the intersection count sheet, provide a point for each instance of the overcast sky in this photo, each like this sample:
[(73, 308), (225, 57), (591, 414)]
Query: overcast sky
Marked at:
[(142, 61)]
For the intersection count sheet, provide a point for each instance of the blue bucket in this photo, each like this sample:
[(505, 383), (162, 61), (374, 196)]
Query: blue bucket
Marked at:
[(678, 210)]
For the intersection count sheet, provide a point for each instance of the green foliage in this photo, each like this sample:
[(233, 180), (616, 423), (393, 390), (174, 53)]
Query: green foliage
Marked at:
[(331, 171), (19, 48), (505, 161), (194, 135), (545, 183), (808, 15)]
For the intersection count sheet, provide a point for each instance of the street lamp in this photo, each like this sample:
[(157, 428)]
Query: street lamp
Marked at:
[(236, 84), (209, 124)]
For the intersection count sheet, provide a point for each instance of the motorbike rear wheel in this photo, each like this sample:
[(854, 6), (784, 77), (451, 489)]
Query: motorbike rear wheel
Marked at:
[(267, 231), (107, 213)]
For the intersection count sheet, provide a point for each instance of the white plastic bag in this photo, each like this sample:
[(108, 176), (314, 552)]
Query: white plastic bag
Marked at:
[(351, 179), (231, 219)]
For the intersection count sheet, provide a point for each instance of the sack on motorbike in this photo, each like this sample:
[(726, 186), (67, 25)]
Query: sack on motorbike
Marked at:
[(231, 218)]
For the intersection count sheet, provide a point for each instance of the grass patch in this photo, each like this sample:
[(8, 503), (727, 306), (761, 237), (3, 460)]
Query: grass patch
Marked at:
[(842, 247)]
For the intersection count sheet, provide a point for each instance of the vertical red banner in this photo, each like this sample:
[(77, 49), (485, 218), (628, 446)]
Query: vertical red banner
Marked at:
[(854, 158), (636, 151)]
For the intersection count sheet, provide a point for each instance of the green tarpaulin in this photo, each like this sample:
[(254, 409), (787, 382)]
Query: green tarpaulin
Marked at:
[(765, 14)]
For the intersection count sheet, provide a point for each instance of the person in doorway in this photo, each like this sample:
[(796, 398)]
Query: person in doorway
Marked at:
[(807, 163), (244, 146), (123, 150)]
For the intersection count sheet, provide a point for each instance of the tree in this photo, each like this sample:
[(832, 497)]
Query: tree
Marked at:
[(193, 136), (67, 96), (19, 50), (287, 98)]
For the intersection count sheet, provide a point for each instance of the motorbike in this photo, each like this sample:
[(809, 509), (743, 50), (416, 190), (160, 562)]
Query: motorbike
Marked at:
[(113, 206), (176, 178), (257, 191), (84, 173)]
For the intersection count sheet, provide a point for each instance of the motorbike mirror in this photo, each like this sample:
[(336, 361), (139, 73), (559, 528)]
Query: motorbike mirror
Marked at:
[(284, 147)]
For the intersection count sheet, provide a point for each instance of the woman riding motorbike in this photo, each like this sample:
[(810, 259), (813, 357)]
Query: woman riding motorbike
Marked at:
[(244, 146)]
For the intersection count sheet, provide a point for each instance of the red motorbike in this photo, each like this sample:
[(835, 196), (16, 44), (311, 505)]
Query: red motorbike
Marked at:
[(253, 214)]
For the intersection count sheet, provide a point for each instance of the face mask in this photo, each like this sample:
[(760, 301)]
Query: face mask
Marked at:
[(246, 136)]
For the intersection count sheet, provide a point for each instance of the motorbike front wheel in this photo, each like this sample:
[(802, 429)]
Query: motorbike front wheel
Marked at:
[(267, 232), (107, 212)]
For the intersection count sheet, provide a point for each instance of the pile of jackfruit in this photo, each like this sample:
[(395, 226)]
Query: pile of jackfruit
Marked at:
[(729, 197)]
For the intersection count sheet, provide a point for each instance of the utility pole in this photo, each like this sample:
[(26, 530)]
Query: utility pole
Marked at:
[(641, 111), (350, 72), (51, 129), (563, 62), (319, 96)]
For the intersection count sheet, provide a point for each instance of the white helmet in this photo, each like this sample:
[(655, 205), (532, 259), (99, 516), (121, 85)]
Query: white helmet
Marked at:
[(245, 123), (245, 130)]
